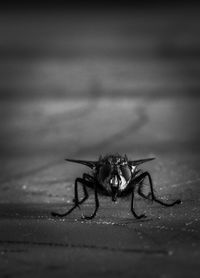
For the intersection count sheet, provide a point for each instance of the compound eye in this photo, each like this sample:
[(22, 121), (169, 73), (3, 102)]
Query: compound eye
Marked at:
[(105, 171), (126, 172)]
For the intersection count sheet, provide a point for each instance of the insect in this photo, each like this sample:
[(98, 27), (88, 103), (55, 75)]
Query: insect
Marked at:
[(114, 176)]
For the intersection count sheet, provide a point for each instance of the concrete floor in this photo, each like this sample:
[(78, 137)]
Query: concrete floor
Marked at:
[(133, 92)]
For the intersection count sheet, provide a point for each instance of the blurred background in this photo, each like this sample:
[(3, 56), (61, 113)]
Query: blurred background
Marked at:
[(83, 81)]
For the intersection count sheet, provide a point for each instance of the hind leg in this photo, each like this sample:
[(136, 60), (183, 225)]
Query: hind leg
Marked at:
[(76, 200), (154, 198)]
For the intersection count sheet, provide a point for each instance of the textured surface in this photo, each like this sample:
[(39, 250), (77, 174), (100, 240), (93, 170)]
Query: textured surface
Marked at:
[(77, 86)]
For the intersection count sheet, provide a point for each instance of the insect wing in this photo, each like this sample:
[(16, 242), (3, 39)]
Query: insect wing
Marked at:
[(91, 164), (140, 161)]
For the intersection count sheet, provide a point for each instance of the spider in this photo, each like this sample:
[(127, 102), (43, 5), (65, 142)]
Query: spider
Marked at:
[(114, 176)]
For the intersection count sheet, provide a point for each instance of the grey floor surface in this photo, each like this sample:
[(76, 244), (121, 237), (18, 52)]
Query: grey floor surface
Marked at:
[(77, 86)]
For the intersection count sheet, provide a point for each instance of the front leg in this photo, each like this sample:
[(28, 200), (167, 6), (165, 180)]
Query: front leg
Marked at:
[(137, 175), (89, 180), (139, 180), (96, 206), (76, 200), (132, 207)]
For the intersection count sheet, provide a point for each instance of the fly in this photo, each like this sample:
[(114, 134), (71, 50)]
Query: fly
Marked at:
[(114, 176)]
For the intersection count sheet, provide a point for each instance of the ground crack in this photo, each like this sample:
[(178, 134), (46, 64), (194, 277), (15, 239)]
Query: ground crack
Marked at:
[(87, 246)]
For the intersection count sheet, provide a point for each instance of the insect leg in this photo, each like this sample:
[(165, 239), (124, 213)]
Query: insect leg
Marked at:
[(76, 201), (132, 207), (88, 177), (154, 198), (140, 183), (96, 206), (148, 197)]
